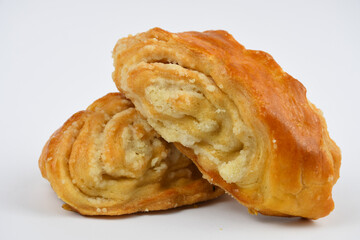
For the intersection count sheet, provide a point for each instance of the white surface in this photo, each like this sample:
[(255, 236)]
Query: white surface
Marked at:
[(55, 59)]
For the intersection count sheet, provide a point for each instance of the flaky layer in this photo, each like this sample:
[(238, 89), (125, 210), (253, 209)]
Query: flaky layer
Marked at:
[(108, 160), (245, 122)]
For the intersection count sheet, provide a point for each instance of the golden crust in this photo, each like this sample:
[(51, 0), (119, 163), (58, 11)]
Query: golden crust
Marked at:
[(107, 160), (278, 160)]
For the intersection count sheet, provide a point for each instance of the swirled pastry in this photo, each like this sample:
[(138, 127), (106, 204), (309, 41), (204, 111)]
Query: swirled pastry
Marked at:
[(245, 122), (108, 161)]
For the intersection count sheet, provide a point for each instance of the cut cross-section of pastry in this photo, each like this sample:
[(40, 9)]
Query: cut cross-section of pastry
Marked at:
[(107, 160), (245, 122)]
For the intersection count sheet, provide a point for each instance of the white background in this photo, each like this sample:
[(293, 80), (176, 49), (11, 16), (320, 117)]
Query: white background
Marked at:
[(55, 59)]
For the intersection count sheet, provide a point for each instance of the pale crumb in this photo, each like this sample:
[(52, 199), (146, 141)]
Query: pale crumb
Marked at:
[(175, 205), (154, 161), (274, 143), (207, 126), (211, 88), (162, 166), (220, 110), (104, 210), (107, 117), (221, 86), (98, 210), (237, 129), (63, 181), (163, 154), (330, 178), (157, 143), (146, 210), (192, 80), (150, 48), (236, 190), (49, 159), (73, 181)]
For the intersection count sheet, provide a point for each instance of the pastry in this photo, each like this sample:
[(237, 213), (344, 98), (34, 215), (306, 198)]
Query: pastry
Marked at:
[(242, 120), (107, 160)]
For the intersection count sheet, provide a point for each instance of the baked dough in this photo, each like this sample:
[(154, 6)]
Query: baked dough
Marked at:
[(246, 123), (108, 161)]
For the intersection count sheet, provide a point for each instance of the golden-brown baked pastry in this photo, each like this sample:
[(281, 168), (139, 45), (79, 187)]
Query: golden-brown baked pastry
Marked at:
[(245, 122), (108, 161)]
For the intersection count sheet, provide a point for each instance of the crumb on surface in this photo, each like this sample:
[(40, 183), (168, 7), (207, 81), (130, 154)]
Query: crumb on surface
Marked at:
[(211, 88), (220, 110)]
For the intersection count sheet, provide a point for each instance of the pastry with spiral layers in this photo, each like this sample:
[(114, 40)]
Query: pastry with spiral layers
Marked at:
[(107, 160), (246, 123)]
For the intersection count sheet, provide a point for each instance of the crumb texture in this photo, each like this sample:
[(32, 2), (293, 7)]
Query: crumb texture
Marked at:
[(245, 122), (107, 160)]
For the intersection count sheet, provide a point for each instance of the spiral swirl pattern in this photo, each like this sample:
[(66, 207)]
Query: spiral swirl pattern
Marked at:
[(108, 160), (246, 123)]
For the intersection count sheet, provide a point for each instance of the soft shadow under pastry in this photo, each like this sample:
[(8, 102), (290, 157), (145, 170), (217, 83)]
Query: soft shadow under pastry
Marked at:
[(107, 160), (245, 122)]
